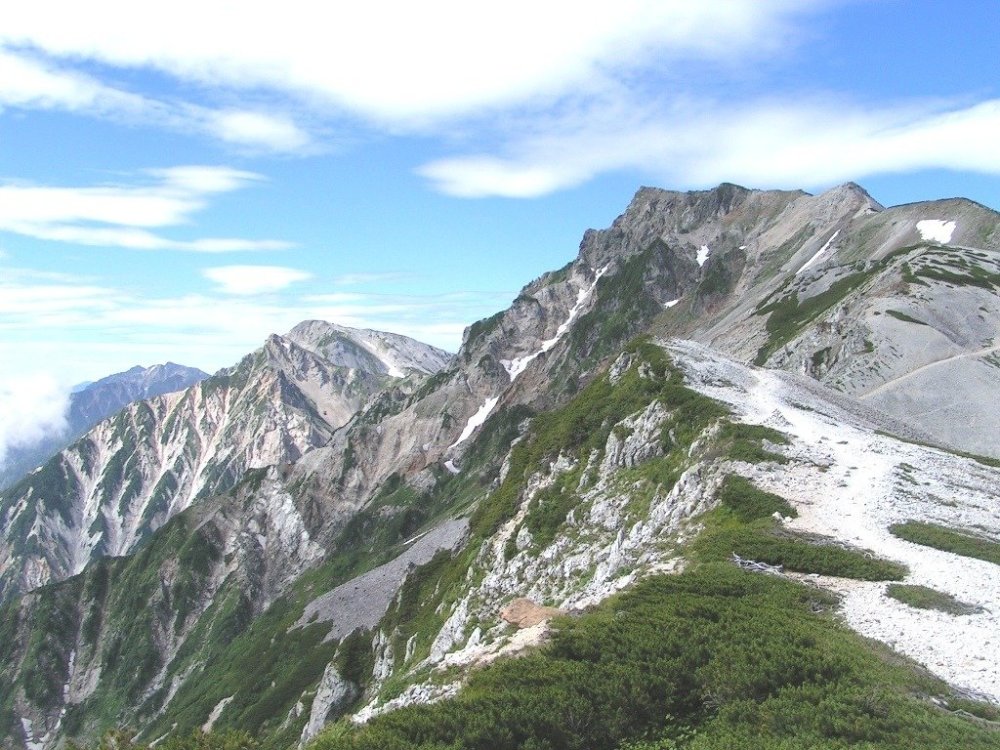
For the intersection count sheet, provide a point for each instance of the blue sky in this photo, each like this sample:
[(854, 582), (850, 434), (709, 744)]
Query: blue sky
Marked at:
[(178, 180)]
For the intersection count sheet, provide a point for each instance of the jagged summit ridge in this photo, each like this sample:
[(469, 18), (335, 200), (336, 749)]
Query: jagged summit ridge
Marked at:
[(702, 265)]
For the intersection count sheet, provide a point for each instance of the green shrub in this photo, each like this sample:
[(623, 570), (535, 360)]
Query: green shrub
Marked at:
[(123, 739), (948, 540), (748, 503), (742, 442), (804, 555), (742, 525), (585, 423), (712, 658), (548, 512), (923, 597)]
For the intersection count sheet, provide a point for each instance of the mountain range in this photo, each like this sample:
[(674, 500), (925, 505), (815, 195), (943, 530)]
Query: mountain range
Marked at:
[(726, 391), (89, 403)]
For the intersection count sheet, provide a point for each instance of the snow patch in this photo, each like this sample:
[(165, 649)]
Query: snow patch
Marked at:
[(515, 367), (703, 253), (69, 676), (450, 466), (671, 303), (819, 254), (936, 230), (475, 420)]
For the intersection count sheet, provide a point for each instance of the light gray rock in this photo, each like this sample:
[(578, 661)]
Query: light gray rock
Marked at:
[(333, 693)]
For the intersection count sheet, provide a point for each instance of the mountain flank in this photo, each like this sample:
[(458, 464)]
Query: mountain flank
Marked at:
[(109, 491)]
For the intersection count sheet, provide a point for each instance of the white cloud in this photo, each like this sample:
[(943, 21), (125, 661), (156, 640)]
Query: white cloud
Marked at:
[(403, 62), (497, 72), (34, 299), (358, 279), (138, 239), (553, 93), (29, 83), (800, 143), (90, 330), (31, 408), (245, 280), (480, 176), (122, 215), (202, 180), (256, 129)]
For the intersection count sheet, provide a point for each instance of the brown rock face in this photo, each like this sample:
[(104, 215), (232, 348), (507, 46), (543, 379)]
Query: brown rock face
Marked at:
[(524, 613)]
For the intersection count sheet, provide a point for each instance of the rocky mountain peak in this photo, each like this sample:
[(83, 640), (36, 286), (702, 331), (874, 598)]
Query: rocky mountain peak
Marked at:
[(378, 352), (91, 402), (134, 471), (845, 201), (852, 189)]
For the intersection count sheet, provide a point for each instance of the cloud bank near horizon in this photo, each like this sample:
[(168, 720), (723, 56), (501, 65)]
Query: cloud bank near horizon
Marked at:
[(31, 409)]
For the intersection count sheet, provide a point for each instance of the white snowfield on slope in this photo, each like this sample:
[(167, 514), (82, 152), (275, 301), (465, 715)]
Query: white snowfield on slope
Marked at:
[(515, 367), (936, 230)]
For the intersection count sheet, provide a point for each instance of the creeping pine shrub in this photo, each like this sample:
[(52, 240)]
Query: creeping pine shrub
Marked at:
[(122, 739), (743, 442), (923, 597), (709, 659), (742, 525), (748, 503), (948, 540)]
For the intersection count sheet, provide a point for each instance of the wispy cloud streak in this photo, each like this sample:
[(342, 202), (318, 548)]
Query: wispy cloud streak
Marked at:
[(124, 215)]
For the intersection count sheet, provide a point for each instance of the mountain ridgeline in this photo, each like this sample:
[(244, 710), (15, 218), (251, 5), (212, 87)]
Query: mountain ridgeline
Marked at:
[(352, 524)]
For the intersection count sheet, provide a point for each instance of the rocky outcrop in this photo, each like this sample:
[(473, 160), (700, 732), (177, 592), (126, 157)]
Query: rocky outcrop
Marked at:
[(333, 693), (524, 613)]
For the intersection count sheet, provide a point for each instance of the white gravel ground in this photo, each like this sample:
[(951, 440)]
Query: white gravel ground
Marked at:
[(849, 482)]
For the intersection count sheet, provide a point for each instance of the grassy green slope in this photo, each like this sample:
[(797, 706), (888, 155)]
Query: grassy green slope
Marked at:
[(715, 657)]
